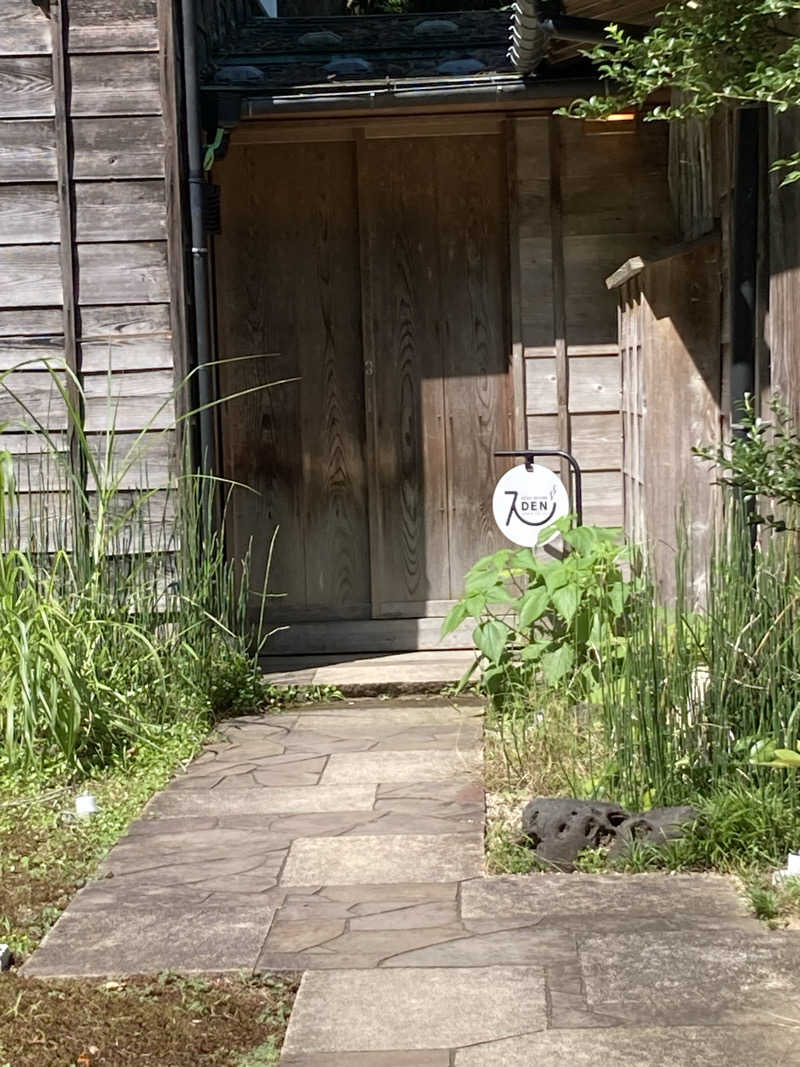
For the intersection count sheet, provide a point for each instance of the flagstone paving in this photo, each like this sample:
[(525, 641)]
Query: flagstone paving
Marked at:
[(346, 841)]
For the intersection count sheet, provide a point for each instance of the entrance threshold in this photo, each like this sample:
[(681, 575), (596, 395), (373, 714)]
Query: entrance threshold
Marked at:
[(367, 674)]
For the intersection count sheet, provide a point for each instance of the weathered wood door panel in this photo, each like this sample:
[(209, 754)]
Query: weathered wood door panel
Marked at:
[(289, 283), (434, 249)]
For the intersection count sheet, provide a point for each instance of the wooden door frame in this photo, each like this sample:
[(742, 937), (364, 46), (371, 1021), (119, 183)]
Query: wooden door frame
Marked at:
[(498, 123)]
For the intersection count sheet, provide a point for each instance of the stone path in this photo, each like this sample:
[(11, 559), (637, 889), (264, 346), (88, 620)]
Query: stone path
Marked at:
[(346, 841)]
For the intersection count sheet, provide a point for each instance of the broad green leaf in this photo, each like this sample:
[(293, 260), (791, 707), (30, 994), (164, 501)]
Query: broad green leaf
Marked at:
[(476, 604), (457, 614), (557, 664), (490, 638), (784, 757), (555, 576), (534, 651), (581, 538), (534, 604), (566, 601), (617, 597)]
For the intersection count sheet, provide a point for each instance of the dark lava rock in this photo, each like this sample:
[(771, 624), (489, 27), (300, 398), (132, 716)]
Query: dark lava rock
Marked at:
[(653, 827), (560, 828)]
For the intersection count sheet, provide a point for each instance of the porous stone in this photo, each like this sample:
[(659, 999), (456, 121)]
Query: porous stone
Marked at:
[(560, 828), (654, 827)]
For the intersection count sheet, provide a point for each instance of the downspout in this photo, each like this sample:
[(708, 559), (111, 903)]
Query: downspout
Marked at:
[(199, 252), (744, 273)]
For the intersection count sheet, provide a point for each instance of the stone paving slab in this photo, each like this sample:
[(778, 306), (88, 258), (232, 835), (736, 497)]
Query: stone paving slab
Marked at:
[(266, 800), (690, 976), (375, 1011), (153, 935), (594, 900), (394, 767), (382, 860), (420, 939), (440, 1058), (673, 1046)]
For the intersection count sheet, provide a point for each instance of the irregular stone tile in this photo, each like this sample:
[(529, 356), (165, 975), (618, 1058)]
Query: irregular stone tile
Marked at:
[(440, 1058), (265, 725), (150, 937), (239, 751), (463, 789), (438, 809), (338, 1011), (137, 851), (369, 947), (565, 978), (686, 977), (409, 917), (342, 721), (673, 1046), (569, 1011), (352, 767), (241, 872), (288, 769), (298, 937), (152, 824), (313, 742), (277, 800), (526, 946), (381, 860), (598, 899), (357, 901)]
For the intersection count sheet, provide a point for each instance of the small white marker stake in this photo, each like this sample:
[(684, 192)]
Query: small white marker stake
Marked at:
[(85, 805)]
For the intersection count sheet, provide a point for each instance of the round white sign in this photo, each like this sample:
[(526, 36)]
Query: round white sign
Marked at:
[(526, 502)]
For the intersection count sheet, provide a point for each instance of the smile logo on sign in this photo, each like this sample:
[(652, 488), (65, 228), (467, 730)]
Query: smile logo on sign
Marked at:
[(527, 501)]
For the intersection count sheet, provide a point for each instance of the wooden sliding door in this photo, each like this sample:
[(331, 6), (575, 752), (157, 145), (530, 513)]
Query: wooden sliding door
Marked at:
[(371, 270)]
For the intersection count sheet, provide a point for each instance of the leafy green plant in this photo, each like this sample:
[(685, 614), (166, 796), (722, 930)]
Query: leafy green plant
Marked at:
[(558, 619), (763, 463), (718, 53), (119, 610)]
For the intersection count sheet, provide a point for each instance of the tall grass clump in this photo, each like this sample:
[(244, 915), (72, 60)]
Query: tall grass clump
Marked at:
[(709, 692), (120, 616)]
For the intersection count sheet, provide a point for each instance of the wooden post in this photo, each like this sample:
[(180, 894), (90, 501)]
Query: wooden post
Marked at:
[(519, 427), (559, 294)]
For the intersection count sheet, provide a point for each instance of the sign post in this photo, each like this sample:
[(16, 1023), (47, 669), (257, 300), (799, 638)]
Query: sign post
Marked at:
[(529, 497)]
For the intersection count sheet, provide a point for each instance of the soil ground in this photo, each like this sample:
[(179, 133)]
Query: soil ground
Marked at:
[(159, 1020)]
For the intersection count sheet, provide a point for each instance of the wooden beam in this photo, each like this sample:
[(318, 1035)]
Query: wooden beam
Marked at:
[(515, 287), (559, 292)]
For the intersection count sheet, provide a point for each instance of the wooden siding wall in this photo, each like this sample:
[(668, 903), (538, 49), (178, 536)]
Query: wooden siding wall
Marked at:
[(585, 201), (669, 328), (91, 269), (783, 322)]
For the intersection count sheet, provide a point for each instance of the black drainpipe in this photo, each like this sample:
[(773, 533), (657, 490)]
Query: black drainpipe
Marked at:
[(199, 252), (744, 272)]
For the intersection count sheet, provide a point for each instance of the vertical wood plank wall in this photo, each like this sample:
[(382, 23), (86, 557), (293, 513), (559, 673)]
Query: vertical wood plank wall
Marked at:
[(602, 200), (783, 328), (90, 222), (671, 390)]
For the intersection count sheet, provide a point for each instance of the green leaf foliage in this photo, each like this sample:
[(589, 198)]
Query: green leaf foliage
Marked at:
[(558, 620), (714, 53)]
